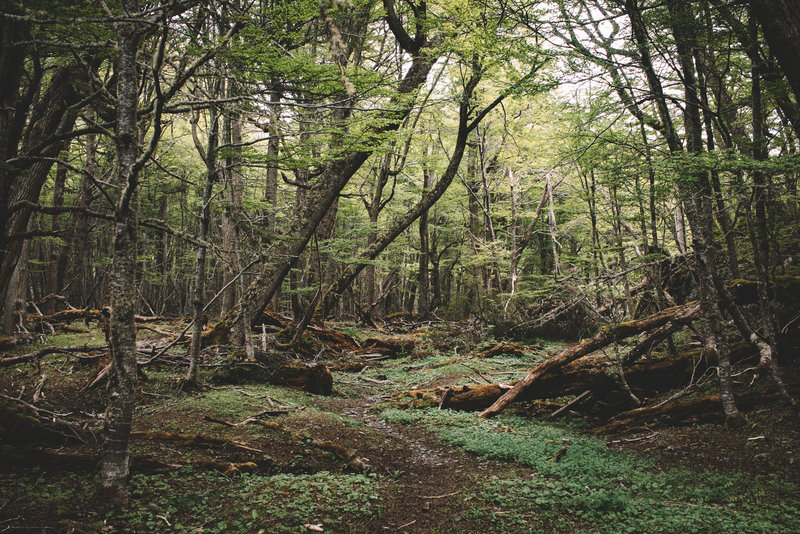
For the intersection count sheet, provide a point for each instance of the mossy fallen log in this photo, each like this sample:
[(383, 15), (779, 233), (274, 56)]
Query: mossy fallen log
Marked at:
[(309, 377), (700, 410), (646, 378), (470, 397), (512, 349), (603, 338)]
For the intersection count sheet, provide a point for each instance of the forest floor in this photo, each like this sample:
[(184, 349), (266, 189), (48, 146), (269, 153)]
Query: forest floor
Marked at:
[(266, 458)]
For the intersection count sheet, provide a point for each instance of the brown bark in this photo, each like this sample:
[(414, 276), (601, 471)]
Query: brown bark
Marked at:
[(311, 378), (702, 410), (229, 232), (598, 374), (604, 337), (781, 22), (209, 154), (114, 464), (53, 116)]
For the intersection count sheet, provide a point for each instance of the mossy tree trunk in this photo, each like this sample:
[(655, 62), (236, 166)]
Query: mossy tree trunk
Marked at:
[(114, 463)]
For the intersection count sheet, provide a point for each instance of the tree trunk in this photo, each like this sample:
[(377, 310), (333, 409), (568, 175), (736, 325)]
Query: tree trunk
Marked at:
[(198, 298), (114, 467), (56, 257), (53, 116), (236, 184), (80, 227), (423, 279), (781, 22)]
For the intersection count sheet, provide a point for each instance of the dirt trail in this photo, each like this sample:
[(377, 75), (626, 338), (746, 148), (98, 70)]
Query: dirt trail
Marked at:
[(433, 481)]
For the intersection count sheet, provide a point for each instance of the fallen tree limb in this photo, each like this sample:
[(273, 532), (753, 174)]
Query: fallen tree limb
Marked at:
[(571, 403), (13, 360), (14, 457), (606, 336), (193, 440), (346, 455)]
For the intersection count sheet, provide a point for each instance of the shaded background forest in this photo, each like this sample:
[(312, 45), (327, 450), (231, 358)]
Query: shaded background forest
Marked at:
[(543, 167)]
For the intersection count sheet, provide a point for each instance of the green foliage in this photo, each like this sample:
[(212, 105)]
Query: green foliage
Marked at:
[(189, 500), (602, 489)]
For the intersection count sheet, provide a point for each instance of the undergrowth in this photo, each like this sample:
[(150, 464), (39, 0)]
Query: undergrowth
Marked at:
[(603, 490), (191, 501)]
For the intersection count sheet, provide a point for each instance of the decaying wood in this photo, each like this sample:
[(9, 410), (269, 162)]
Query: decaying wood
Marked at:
[(597, 373), (704, 409), (513, 349), (390, 346), (67, 316), (10, 342), (14, 457), (271, 368), (13, 360), (606, 336), (471, 397), (341, 452)]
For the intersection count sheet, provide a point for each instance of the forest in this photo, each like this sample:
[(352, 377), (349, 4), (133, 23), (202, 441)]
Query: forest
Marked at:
[(411, 266)]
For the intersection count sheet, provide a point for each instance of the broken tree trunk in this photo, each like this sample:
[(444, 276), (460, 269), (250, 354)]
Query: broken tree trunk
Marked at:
[(606, 336)]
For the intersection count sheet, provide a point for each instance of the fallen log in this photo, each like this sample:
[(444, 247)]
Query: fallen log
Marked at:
[(12, 458), (599, 374), (274, 369), (512, 349), (192, 440), (13, 360), (606, 336), (700, 410), (390, 346), (9, 342), (470, 397), (67, 316)]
